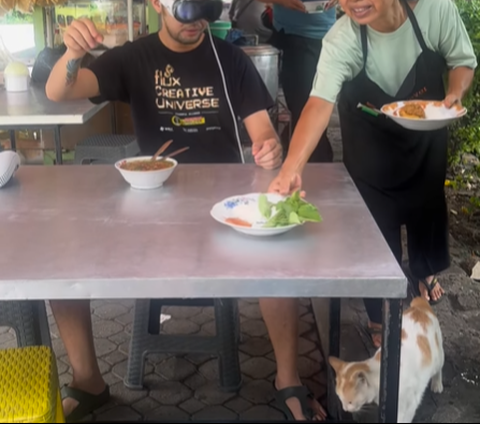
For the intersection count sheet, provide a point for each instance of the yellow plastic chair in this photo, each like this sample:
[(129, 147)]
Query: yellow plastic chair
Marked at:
[(29, 388)]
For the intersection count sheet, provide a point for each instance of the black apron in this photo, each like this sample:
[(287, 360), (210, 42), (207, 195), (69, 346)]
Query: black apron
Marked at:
[(400, 173)]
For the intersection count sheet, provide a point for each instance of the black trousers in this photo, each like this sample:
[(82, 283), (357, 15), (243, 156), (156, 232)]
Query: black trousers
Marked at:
[(298, 68), (427, 241)]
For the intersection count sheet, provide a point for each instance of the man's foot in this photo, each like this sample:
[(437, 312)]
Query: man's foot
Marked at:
[(298, 403), (375, 331), (79, 401), (431, 290)]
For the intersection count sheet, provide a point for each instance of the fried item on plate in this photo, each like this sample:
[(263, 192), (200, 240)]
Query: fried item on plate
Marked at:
[(412, 111)]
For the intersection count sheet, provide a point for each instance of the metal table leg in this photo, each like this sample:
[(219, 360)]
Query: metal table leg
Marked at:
[(333, 404), (58, 146), (13, 141), (390, 362)]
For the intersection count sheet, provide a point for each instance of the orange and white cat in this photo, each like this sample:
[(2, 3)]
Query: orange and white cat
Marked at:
[(421, 363)]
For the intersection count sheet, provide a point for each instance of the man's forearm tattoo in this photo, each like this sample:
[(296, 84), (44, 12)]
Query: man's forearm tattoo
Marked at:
[(73, 66)]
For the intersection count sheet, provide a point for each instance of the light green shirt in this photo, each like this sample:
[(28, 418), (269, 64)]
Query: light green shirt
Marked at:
[(391, 56)]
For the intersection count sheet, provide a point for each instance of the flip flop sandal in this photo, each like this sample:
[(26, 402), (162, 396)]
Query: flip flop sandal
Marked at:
[(87, 403), (302, 393), (430, 287)]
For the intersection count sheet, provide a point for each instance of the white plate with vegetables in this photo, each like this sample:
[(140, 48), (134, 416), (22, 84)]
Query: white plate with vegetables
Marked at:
[(264, 214)]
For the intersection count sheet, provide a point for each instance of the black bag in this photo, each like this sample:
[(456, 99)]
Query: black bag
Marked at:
[(44, 63), (46, 60)]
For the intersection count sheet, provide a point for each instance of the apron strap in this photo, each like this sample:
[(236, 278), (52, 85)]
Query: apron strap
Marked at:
[(363, 35), (416, 27)]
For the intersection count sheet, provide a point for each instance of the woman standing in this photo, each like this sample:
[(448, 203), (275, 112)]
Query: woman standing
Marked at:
[(383, 51)]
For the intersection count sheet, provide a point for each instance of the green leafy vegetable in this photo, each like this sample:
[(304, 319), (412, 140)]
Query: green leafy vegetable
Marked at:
[(292, 210), (265, 206)]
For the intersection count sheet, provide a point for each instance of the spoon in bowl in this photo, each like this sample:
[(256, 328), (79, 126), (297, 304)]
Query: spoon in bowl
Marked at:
[(161, 150), (176, 152)]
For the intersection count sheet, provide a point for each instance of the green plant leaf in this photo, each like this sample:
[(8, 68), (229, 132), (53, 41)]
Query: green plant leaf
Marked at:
[(291, 210), (265, 206)]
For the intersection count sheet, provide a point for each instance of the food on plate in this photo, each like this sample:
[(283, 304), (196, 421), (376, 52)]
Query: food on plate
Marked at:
[(412, 111), (290, 211), (238, 221), (146, 165)]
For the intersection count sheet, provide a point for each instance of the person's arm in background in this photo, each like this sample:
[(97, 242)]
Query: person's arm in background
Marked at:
[(295, 4), (251, 101), (455, 46), (288, 4), (102, 80)]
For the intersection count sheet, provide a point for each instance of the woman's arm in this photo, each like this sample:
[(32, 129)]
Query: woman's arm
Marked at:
[(459, 81), (454, 44), (312, 123)]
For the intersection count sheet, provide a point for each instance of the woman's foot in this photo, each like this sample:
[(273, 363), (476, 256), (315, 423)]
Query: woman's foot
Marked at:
[(375, 331), (431, 290), (294, 404)]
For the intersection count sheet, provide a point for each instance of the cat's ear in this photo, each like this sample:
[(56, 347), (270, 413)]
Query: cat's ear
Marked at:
[(336, 363)]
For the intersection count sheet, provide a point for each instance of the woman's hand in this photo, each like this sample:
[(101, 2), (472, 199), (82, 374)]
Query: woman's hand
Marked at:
[(286, 182), (451, 100), (459, 81)]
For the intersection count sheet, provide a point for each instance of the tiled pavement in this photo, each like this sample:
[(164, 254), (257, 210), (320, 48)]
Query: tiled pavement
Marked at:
[(185, 386)]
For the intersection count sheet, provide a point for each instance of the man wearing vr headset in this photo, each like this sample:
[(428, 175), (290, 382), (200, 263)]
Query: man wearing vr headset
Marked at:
[(176, 90)]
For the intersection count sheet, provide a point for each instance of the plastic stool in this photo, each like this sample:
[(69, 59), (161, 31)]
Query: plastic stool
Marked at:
[(146, 339), (106, 148), (29, 388), (28, 318)]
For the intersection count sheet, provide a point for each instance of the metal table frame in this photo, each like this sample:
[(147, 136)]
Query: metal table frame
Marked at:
[(56, 131), (57, 139)]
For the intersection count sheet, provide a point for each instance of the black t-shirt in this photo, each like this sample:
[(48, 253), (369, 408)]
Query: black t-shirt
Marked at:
[(180, 96)]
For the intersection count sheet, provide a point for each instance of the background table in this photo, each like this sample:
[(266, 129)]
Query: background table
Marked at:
[(77, 232), (32, 110)]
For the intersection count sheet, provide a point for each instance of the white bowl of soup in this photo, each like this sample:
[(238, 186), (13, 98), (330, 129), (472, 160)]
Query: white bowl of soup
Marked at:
[(144, 174)]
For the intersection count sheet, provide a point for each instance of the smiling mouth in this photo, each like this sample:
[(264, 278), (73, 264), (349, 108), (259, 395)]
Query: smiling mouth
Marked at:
[(360, 12)]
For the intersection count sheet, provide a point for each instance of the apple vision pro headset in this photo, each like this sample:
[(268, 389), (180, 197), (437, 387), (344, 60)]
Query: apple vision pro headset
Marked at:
[(188, 11)]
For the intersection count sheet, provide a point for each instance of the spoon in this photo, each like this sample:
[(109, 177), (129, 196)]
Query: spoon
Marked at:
[(176, 152), (161, 150)]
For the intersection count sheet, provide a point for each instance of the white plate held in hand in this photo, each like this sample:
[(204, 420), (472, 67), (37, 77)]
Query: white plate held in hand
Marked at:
[(437, 115), (246, 208)]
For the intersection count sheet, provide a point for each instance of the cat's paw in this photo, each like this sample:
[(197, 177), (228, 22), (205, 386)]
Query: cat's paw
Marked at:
[(436, 386)]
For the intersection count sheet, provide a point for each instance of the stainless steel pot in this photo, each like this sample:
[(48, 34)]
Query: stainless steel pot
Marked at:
[(265, 59)]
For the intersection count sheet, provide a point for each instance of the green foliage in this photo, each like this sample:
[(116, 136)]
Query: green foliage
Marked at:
[(465, 134), (16, 17)]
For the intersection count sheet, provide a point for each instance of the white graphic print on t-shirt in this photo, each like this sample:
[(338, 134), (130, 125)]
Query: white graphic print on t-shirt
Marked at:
[(189, 108)]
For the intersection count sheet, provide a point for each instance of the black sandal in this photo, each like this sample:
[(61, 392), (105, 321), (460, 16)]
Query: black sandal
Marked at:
[(430, 287), (302, 393), (87, 403)]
